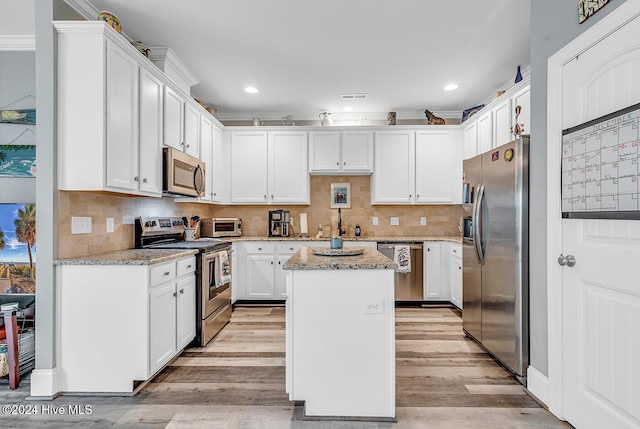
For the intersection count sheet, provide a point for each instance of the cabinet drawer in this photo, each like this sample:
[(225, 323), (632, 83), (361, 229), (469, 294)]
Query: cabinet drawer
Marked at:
[(162, 273), (456, 250), (290, 247), (186, 266), (259, 247)]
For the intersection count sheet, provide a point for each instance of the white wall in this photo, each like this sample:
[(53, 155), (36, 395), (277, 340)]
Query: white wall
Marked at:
[(553, 25), (17, 80), (17, 17)]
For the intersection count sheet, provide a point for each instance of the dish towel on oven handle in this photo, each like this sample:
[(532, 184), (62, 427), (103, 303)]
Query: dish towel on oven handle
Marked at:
[(402, 257), (224, 268)]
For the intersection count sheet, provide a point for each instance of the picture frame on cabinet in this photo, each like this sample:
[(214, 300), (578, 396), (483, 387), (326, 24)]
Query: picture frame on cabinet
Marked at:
[(470, 112), (341, 195)]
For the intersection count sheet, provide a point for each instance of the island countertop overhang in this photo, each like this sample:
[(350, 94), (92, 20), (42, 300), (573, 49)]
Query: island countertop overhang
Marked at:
[(370, 259)]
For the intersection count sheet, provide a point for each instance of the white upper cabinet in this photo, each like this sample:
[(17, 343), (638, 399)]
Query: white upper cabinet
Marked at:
[(341, 152), (106, 142), (438, 167), (502, 123), (218, 169), (122, 119), (522, 98), (417, 167), (471, 140), (206, 156), (394, 175), (288, 170), (269, 167), (173, 119), (485, 135), (249, 168), (151, 116), (191, 130), (324, 152), (493, 126)]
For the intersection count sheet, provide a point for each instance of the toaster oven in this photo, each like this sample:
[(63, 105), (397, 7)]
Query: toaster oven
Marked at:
[(221, 227)]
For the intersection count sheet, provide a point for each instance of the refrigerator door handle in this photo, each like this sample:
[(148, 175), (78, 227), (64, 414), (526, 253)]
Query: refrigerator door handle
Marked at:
[(477, 221)]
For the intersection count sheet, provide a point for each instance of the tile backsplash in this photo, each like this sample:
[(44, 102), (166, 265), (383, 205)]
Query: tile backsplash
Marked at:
[(442, 220)]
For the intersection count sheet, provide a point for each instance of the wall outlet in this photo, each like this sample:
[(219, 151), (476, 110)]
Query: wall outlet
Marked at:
[(111, 224), (395, 221), (80, 225), (423, 221), (370, 306), (375, 220)]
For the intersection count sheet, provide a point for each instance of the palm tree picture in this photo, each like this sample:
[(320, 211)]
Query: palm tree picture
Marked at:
[(26, 231)]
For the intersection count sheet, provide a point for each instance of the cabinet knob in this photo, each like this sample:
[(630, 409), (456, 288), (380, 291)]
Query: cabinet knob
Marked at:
[(459, 267), (175, 294), (136, 179), (279, 263), (215, 194), (259, 248), (271, 262), (428, 249), (417, 195), (271, 197), (337, 163), (167, 273), (188, 146), (182, 291), (144, 180), (409, 196), (188, 266), (265, 196), (344, 163), (181, 143)]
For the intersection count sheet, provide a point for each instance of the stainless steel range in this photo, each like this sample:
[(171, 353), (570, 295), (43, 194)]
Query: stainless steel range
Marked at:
[(213, 270)]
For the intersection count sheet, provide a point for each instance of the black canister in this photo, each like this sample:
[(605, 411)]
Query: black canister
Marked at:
[(357, 230)]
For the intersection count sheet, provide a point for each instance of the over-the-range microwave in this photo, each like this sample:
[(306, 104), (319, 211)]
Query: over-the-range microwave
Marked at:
[(182, 174), (221, 227)]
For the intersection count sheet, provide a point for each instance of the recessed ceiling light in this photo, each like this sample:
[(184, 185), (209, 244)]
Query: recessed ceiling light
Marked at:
[(451, 87), (347, 109), (251, 90)]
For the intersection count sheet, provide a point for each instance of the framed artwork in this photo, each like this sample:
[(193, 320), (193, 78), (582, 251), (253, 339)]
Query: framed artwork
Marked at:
[(470, 112), (17, 161), (340, 195)]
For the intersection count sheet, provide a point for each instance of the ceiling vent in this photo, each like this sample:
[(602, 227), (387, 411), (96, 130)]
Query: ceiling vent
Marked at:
[(353, 96)]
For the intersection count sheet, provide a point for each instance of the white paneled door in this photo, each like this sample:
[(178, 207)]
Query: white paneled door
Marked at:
[(601, 293)]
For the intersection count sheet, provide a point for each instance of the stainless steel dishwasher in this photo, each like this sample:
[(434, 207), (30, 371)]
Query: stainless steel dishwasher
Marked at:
[(408, 286)]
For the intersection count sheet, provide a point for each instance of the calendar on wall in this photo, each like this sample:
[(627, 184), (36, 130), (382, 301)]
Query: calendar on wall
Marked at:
[(601, 167)]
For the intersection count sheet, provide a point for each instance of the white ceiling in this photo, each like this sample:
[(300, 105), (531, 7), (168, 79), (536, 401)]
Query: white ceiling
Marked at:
[(303, 55)]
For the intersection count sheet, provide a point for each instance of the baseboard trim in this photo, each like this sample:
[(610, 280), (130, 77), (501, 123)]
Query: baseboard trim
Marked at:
[(538, 385), (44, 384)]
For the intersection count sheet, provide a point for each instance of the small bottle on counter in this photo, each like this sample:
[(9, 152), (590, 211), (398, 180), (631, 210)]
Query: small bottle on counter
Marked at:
[(358, 231), (320, 231)]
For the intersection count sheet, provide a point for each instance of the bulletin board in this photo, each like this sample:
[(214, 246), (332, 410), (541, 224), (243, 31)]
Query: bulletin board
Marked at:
[(600, 167)]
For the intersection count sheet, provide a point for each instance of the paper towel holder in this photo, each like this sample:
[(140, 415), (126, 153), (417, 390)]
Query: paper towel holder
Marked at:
[(304, 227)]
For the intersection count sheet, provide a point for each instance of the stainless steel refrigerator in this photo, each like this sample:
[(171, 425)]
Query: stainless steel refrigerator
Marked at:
[(495, 281)]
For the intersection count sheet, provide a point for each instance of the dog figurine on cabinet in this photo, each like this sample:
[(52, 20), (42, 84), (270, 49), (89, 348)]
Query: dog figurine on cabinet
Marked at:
[(433, 119)]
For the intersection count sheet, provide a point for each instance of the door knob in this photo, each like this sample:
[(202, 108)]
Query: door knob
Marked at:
[(568, 260)]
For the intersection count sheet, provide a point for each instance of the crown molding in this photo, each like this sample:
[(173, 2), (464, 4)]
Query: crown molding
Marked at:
[(340, 116), (18, 43), (165, 54)]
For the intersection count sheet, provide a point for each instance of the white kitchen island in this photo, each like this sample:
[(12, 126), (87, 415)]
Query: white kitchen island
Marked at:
[(340, 334)]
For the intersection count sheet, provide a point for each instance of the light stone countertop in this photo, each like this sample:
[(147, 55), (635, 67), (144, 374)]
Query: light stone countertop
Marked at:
[(371, 259), (387, 239), (129, 257)]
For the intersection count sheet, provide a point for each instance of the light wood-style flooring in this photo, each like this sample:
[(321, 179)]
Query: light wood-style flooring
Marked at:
[(443, 380)]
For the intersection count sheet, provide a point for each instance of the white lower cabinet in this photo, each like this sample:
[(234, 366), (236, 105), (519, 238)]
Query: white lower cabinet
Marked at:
[(258, 273), (455, 274), (443, 272), (124, 324)]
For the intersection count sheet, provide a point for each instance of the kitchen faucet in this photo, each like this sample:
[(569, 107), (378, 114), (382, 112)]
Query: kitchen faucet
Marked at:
[(340, 230)]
